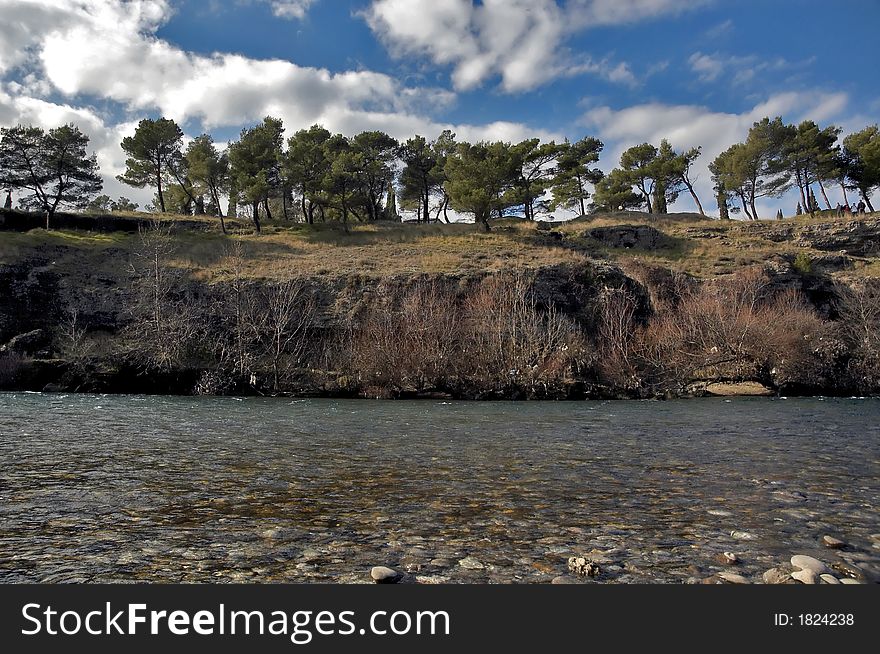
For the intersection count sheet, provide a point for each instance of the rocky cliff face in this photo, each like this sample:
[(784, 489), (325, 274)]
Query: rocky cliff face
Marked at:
[(56, 298), (41, 310)]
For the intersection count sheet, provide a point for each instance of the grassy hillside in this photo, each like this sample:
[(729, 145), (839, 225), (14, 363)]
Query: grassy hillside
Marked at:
[(702, 248)]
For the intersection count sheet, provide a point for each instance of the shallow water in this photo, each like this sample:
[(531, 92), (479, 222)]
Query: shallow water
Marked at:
[(109, 489)]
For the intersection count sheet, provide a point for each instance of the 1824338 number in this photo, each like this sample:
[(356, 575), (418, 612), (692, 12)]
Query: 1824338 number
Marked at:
[(826, 619)]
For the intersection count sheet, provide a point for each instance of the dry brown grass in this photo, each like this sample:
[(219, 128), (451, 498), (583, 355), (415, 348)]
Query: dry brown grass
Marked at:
[(705, 249)]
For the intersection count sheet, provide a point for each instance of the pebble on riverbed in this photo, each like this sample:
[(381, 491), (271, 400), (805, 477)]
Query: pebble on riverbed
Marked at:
[(781, 575), (470, 563), (728, 558), (802, 562), (382, 575), (583, 566), (743, 535), (833, 543)]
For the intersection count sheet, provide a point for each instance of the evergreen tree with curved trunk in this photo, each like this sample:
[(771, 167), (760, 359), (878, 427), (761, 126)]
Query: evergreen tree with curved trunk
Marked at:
[(574, 174), (667, 170), (254, 162), (208, 171), (478, 178), (153, 155), (54, 167), (729, 177), (637, 162), (340, 184), (861, 161), (443, 147), (421, 176), (376, 153), (306, 165), (614, 192), (685, 163), (757, 168), (809, 153), (536, 163)]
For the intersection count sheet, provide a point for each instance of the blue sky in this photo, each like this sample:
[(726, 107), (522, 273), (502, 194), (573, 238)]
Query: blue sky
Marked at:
[(627, 71)]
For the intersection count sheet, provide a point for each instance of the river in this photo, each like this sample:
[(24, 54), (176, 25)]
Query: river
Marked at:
[(162, 489)]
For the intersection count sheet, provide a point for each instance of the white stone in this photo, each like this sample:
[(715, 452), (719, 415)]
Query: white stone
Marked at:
[(470, 563), (804, 576), (383, 575), (733, 578), (742, 535), (833, 543), (809, 563)]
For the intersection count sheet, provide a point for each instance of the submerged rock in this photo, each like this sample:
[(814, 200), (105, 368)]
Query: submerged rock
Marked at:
[(743, 535), (833, 543), (849, 570), (776, 576), (728, 558)]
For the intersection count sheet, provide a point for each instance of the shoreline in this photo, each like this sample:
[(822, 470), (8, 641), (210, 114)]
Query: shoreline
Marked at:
[(439, 397)]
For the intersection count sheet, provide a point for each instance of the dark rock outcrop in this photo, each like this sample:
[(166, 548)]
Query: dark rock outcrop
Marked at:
[(643, 237), (25, 344)]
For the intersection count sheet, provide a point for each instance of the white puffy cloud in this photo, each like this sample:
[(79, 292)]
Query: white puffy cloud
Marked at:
[(522, 41), (291, 8), (687, 126), (109, 50), (117, 56)]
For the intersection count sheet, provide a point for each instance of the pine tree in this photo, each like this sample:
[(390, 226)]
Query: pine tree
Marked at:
[(574, 172), (54, 166), (800, 210), (814, 204), (153, 153)]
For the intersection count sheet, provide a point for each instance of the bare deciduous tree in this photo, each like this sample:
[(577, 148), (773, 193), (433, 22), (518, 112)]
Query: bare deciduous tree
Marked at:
[(164, 320), (280, 316)]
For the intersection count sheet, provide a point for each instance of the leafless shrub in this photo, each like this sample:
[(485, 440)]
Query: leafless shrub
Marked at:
[(859, 326), (508, 342), (165, 321), (616, 332), (72, 336), (280, 316), (234, 345), (736, 329), (409, 340)]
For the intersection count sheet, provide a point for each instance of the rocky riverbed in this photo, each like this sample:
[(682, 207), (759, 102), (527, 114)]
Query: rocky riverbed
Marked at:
[(120, 489)]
